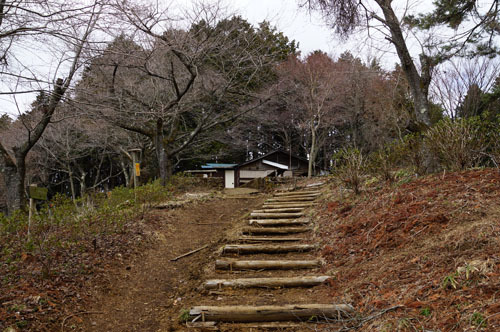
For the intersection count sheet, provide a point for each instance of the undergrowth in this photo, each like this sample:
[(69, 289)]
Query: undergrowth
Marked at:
[(61, 226)]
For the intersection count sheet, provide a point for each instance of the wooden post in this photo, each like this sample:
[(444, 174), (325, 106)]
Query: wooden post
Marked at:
[(30, 215), (134, 152), (35, 192)]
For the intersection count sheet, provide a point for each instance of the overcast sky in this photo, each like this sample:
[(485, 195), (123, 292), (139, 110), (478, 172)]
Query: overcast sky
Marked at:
[(298, 24), (309, 29)]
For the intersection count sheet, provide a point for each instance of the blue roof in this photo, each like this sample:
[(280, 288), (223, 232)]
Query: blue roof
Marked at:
[(211, 165)]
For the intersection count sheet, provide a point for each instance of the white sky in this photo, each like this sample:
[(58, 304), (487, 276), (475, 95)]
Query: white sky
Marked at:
[(295, 23), (309, 29)]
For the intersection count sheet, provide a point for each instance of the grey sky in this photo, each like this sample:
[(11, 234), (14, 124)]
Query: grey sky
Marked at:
[(308, 30)]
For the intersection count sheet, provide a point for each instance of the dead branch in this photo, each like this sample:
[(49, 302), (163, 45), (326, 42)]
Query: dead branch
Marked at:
[(188, 253)]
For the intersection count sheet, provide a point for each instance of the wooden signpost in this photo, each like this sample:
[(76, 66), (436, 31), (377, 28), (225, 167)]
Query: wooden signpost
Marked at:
[(38, 193), (137, 169)]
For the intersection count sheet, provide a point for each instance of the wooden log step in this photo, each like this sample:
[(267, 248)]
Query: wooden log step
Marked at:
[(203, 326), (315, 185), (266, 282), (271, 313), (291, 199), (290, 209), (298, 193), (288, 205), (298, 196), (276, 215), (278, 222), (266, 248), (275, 230), (224, 264), (269, 239)]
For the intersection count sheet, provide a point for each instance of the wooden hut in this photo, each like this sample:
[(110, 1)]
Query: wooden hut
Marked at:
[(275, 163)]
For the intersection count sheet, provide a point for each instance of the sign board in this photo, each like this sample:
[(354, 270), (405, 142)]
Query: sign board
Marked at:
[(39, 193), (137, 169)]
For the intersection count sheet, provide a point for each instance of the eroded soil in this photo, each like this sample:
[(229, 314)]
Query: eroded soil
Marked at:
[(149, 292)]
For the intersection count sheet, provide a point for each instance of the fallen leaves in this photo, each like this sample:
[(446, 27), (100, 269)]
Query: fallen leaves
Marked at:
[(411, 238)]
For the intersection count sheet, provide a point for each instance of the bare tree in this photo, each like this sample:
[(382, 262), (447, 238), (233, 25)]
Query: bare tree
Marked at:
[(83, 154), (313, 87), (453, 81), (346, 15), (176, 83), (20, 21)]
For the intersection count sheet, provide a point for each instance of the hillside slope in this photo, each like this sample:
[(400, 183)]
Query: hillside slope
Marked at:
[(427, 249)]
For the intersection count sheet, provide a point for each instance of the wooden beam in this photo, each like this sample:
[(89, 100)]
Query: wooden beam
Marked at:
[(295, 312), (288, 209), (298, 196), (276, 215), (279, 205), (278, 222), (308, 281), (269, 239), (275, 230), (299, 193), (222, 264), (292, 199), (266, 248)]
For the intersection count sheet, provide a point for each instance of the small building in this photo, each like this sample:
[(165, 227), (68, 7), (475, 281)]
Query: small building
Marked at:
[(275, 163), (228, 171), (272, 164)]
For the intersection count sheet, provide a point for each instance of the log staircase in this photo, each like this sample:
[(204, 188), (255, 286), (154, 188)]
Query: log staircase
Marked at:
[(277, 239)]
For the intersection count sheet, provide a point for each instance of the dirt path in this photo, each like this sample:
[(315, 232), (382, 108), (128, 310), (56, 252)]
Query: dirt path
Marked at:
[(149, 292)]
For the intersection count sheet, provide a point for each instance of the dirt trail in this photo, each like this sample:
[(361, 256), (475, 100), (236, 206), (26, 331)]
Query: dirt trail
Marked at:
[(149, 292)]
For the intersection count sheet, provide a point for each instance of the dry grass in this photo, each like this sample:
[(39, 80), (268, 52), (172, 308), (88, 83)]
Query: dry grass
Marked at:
[(430, 245)]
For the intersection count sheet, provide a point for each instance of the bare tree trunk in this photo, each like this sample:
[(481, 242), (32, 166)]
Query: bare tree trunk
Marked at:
[(83, 183), (169, 167), (312, 152), (15, 188), (126, 173), (71, 184), (418, 85), (161, 154)]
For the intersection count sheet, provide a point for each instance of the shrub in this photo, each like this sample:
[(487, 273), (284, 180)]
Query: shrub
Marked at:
[(387, 159), (350, 167), (457, 144)]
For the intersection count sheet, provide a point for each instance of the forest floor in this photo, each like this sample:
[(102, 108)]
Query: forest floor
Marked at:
[(427, 248), (416, 255)]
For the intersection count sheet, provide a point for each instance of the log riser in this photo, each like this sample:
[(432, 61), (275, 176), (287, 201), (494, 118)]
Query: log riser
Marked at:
[(276, 215), (291, 200), (279, 230), (266, 282), (272, 313), (278, 222), (254, 239), (265, 265), (266, 248), (298, 193), (283, 210)]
